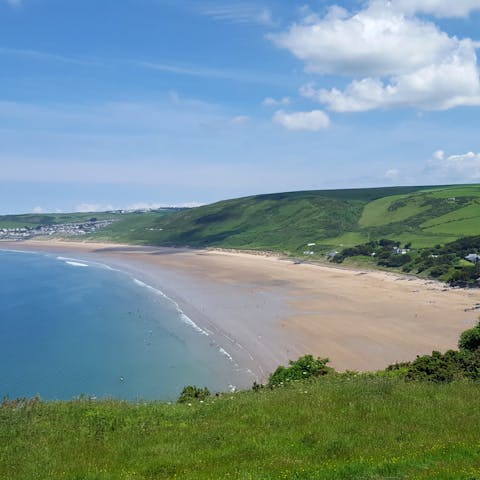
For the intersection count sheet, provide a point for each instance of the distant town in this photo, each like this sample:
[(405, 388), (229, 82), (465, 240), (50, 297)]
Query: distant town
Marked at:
[(67, 229)]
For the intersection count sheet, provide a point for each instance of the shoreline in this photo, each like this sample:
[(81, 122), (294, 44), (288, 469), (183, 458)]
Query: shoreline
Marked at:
[(266, 310)]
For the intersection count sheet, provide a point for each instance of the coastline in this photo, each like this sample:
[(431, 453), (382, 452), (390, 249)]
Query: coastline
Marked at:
[(264, 310)]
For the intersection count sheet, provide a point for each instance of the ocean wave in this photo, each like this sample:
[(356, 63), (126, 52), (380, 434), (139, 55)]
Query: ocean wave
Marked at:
[(224, 352), (76, 264), (71, 261), (185, 319)]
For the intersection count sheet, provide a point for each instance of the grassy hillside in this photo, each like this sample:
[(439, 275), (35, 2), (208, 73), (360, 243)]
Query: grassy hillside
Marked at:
[(328, 428), (33, 220), (286, 222), (128, 220)]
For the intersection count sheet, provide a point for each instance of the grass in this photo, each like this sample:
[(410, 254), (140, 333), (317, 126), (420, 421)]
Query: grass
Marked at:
[(133, 228), (35, 220), (379, 212), (283, 222), (287, 222), (329, 428), (332, 219)]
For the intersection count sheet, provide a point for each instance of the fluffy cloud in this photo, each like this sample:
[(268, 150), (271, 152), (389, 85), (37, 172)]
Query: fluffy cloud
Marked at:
[(309, 121), (15, 3), (397, 60), (38, 210), (438, 8), (452, 83), (465, 167), (376, 42)]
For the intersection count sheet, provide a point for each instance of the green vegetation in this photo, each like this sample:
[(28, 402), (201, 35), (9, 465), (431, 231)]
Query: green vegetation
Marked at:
[(301, 369), (135, 227), (332, 219), (39, 219), (433, 221), (191, 393), (416, 420), (448, 262), (287, 222), (328, 428)]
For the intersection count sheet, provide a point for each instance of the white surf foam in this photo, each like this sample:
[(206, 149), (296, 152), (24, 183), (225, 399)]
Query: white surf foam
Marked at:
[(224, 352), (76, 264), (71, 261), (185, 319)]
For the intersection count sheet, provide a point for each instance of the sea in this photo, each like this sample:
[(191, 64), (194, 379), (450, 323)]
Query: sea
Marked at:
[(72, 328)]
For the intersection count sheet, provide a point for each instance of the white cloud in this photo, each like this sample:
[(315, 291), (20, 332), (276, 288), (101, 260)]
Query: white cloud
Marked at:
[(465, 167), (453, 83), (396, 60), (309, 121), (271, 102), (375, 42), (38, 210), (438, 8)]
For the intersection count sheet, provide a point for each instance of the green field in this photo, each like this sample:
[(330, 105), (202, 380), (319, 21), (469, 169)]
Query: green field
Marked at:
[(287, 222), (362, 427), (332, 219), (33, 220)]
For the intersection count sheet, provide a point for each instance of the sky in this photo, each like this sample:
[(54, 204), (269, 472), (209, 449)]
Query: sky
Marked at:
[(147, 103)]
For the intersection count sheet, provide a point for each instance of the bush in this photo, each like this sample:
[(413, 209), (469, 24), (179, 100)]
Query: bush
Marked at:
[(437, 367), (464, 277), (395, 260), (191, 392), (470, 339), (304, 367)]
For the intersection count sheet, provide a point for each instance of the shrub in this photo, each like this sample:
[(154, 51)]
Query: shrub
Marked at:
[(304, 367), (191, 392), (395, 260), (437, 367), (470, 339)]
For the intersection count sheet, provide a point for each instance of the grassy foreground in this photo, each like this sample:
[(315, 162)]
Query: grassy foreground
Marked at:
[(333, 427)]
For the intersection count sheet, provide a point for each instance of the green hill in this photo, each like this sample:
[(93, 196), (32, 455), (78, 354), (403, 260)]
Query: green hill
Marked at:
[(287, 222), (332, 219)]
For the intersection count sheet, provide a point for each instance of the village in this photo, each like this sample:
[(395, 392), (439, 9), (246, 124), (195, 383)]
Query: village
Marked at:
[(62, 229)]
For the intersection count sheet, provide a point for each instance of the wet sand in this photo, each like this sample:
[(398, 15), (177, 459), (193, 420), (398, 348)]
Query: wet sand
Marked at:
[(265, 310)]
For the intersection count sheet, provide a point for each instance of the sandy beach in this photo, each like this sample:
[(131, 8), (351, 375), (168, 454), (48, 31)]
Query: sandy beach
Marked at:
[(265, 310)]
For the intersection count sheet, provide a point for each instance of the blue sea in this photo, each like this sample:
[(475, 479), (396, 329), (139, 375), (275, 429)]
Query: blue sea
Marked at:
[(70, 327)]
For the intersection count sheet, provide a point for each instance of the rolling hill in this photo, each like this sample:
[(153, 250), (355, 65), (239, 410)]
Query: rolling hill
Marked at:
[(332, 219)]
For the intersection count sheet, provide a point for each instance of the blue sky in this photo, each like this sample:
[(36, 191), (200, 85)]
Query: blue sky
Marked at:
[(129, 103)]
